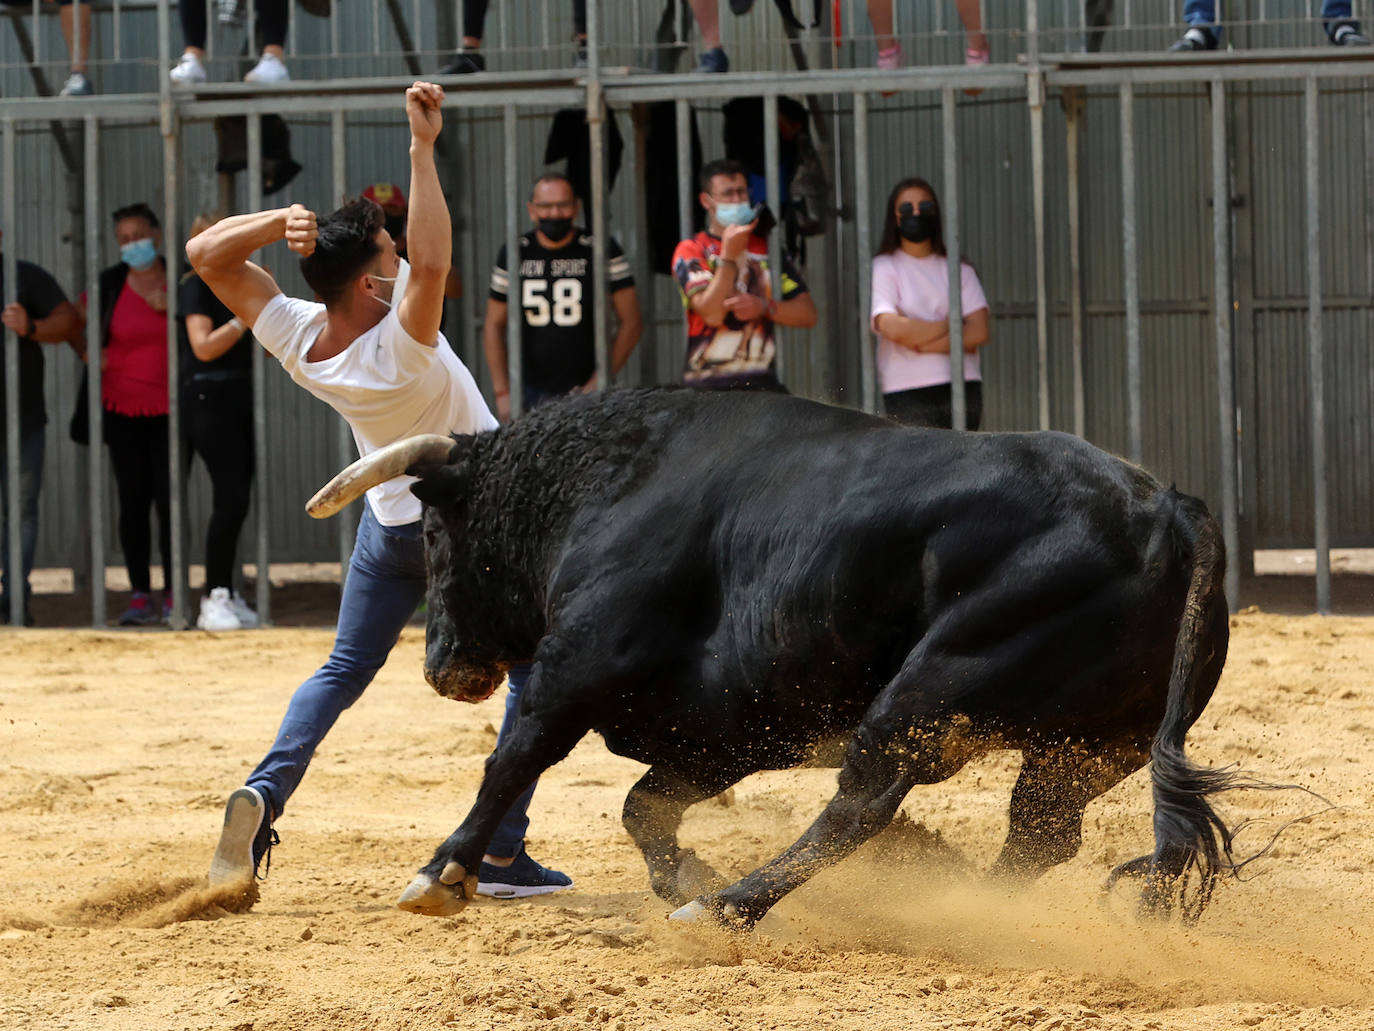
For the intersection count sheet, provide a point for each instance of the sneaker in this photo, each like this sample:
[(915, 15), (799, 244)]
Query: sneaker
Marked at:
[(520, 880), (140, 611), (464, 62), (246, 841), (217, 611), (188, 71), (268, 71), (713, 62), (1348, 34), (1194, 39), (248, 619), (892, 58), (77, 85), (976, 59)]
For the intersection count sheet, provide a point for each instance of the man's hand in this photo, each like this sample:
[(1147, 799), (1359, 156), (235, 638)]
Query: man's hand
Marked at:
[(746, 307), (735, 240), (585, 388), (301, 230), (422, 108), (503, 407), (16, 317)]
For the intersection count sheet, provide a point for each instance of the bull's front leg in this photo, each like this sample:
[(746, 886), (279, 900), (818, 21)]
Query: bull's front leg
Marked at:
[(653, 813), (542, 735)]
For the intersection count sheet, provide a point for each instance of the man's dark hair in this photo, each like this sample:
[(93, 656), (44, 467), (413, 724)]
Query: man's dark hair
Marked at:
[(138, 210), (725, 166), (346, 243), (553, 177)]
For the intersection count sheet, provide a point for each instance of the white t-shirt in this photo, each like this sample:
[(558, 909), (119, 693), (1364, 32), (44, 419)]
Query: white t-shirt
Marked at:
[(918, 288), (386, 384)]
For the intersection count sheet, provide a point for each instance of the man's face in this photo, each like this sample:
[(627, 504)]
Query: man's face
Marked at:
[(725, 189), (553, 199), (386, 265)]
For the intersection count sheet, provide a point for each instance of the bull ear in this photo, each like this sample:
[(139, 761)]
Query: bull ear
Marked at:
[(439, 485)]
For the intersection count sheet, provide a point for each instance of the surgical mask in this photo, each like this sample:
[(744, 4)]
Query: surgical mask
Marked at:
[(555, 228), (139, 254), (917, 228), (737, 213), (386, 279)]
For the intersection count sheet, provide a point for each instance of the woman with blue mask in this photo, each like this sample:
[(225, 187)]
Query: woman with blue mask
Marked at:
[(133, 388)]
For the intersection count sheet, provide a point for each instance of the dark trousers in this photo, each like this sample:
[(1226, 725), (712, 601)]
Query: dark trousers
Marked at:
[(270, 19), (475, 17), (30, 476), (932, 406), (219, 428), (138, 452)]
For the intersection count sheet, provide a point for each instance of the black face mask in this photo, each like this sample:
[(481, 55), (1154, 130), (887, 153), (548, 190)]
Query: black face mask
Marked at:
[(917, 228), (555, 228)]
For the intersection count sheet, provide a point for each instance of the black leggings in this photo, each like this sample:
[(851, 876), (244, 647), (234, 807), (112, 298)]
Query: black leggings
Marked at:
[(219, 428), (271, 22), (932, 406), (138, 452), (475, 17)]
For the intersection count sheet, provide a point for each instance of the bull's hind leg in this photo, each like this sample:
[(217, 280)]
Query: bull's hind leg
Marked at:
[(653, 813), (1055, 786)]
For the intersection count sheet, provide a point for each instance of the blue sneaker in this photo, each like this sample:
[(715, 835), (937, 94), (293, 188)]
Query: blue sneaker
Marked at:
[(520, 880), (246, 841), (714, 62)]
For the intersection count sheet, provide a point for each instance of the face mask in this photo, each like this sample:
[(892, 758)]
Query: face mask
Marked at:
[(139, 254), (739, 213), (917, 228), (555, 228), (385, 279)]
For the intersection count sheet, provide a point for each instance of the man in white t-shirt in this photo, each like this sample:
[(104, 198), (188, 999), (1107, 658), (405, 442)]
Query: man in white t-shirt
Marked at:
[(373, 352)]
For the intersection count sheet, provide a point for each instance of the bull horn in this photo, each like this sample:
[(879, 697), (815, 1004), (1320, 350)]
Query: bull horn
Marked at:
[(378, 467)]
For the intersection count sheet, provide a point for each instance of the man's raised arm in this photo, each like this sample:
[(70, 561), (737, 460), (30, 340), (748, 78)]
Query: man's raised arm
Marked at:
[(429, 233), (220, 255)]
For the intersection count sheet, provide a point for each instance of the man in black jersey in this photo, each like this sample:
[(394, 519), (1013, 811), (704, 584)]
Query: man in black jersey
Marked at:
[(558, 337)]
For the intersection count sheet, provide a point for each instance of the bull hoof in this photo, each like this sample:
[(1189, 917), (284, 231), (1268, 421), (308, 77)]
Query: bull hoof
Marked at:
[(692, 913), (446, 896)]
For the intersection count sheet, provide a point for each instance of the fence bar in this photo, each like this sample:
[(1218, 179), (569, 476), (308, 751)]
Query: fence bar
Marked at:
[(1316, 370), (863, 237), (171, 241), (95, 472), (1131, 265), (1226, 390), (1035, 96), (596, 142), (685, 192), (14, 541), (958, 402), (1073, 100), (343, 437), (260, 435), (773, 194), (515, 297)]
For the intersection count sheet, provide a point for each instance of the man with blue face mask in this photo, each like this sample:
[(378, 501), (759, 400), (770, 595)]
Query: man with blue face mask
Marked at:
[(727, 290), (373, 351)]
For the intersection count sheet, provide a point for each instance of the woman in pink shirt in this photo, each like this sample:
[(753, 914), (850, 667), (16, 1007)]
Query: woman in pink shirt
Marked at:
[(910, 313)]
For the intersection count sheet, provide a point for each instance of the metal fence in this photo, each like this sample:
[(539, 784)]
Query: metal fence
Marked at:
[(1203, 339)]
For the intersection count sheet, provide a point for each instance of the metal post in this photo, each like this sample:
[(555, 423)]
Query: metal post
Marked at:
[(773, 195), (1134, 446), (1073, 110), (95, 473), (343, 436), (958, 408), (596, 142), (683, 125), (1316, 370), (171, 240), (264, 577), (13, 543), (637, 238), (1226, 394), (1035, 96), (864, 245), (515, 298)]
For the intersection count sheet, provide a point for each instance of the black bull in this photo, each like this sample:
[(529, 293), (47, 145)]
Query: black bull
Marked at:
[(720, 584)]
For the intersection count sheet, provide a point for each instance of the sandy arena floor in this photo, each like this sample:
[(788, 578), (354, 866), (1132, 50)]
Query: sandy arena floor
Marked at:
[(119, 748)]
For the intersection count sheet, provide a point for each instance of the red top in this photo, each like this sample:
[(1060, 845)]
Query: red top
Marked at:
[(134, 380)]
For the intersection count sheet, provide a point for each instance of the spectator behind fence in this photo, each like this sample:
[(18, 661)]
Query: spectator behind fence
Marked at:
[(468, 58), (1205, 34), (133, 398), (395, 214), (40, 314), (272, 19), (910, 313), (71, 15), (217, 418), (727, 290), (890, 55)]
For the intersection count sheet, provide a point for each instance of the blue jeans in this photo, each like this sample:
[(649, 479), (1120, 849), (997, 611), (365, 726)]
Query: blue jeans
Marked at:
[(1204, 12), (31, 445), (509, 837), (386, 580)]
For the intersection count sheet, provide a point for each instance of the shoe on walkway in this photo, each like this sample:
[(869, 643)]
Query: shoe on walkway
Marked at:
[(892, 58), (77, 85), (1196, 38), (246, 841), (248, 619), (140, 611), (976, 59), (217, 611), (520, 880), (188, 71), (268, 71), (714, 62), (464, 62), (1348, 34)]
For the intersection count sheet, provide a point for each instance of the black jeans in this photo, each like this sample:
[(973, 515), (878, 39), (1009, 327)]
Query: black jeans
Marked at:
[(932, 406), (138, 452), (218, 417)]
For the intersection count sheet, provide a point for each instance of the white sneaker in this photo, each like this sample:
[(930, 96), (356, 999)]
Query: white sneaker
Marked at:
[(217, 611), (188, 71), (248, 619), (268, 70)]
